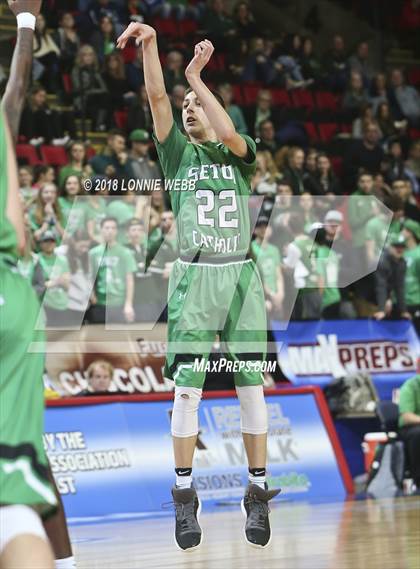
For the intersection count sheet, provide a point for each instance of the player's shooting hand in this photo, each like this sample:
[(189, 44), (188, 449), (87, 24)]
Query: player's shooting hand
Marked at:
[(202, 54), (19, 6), (141, 32)]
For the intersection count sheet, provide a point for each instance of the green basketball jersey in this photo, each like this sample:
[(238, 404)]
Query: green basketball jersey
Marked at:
[(212, 213), (8, 239)]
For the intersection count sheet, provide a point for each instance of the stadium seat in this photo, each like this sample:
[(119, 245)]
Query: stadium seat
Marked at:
[(250, 92), (90, 152), (129, 53), (302, 99), (120, 118), (54, 155), (67, 83), (27, 153), (327, 131), (281, 97), (311, 131), (187, 27), (166, 27), (237, 94), (414, 76), (337, 165), (326, 100)]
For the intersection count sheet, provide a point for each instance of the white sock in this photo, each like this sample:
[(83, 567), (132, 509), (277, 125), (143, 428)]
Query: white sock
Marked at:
[(258, 480), (65, 563), (183, 481)]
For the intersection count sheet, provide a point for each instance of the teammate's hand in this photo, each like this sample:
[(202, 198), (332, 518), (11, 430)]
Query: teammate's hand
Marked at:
[(19, 6), (202, 53), (142, 32)]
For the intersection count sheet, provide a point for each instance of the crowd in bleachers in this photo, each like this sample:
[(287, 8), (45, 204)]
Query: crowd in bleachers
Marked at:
[(327, 126)]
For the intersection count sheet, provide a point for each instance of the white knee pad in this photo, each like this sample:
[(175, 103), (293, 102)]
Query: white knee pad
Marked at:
[(185, 411), (18, 520), (254, 420)]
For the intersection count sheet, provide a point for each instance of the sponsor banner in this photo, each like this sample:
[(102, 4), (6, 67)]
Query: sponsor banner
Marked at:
[(314, 352), (138, 357), (116, 458)]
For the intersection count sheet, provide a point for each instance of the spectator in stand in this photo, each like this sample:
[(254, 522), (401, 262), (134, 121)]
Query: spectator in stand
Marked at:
[(112, 268), (378, 91), (404, 190), (385, 121), (413, 166), (139, 115), (262, 111), (323, 181), (335, 64), (258, 66), (99, 376), (405, 100), (72, 207), (264, 180), (143, 280), (90, 93), (409, 423), (301, 262), (306, 208), (411, 232), (365, 116), (236, 59), (310, 167), (355, 95), (26, 189), (366, 154), (116, 81), (294, 171), (28, 265), (359, 62), (103, 40), (267, 258), (45, 214), (310, 65), (134, 71), (267, 137), (43, 175), (39, 123), (113, 161), (328, 269), (396, 166), (56, 273), (95, 205), (217, 25), (68, 42), (244, 21), (100, 9), (46, 55), (77, 164), (235, 112), (390, 281), (80, 280), (174, 70), (177, 103), (281, 214), (287, 71), (142, 166), (380, 188)]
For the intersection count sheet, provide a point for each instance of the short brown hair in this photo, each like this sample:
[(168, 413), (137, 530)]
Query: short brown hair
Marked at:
[(214, 93)]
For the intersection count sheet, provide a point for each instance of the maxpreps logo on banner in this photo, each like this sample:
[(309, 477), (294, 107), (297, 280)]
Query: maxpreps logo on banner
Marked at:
[(328, 356)]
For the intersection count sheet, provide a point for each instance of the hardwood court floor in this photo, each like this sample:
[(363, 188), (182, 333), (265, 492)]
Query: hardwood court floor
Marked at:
[(381, 534)]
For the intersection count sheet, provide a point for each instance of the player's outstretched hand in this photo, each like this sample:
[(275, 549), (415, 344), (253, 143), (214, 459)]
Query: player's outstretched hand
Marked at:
[(142, 32), (202, 53), (19, 6)]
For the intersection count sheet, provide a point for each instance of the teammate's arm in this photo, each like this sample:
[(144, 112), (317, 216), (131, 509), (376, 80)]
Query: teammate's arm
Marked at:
[(153, 77), (13, 207), (21, 66), (218, 117)]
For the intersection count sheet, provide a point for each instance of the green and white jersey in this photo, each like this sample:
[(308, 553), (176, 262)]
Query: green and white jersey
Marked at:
[(212, 210), (268, 261), (8, 239), (111, 264), (74, 214), (328, 264), (412, 276)]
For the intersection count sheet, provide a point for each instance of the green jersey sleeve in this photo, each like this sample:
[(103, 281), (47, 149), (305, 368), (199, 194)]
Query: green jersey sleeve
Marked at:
[(170, 151), (247, 165), (407, 403)]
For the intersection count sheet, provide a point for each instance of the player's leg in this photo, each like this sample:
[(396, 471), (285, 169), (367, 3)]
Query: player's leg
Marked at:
[(245, 337), (186, 346), (23, 542), (58, 534)]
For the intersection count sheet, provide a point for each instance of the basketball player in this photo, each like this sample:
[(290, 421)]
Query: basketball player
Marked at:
[(217, 290), (13, 101)]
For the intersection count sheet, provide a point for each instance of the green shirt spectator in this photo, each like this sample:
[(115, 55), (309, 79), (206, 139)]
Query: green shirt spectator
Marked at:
[(56, 272), (411, 232), (361, 210), (328, 264), (409, 399)]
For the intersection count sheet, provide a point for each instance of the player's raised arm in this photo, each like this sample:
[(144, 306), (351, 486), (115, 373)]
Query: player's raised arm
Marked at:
[(153, 76), (26, 12), (218, 117)]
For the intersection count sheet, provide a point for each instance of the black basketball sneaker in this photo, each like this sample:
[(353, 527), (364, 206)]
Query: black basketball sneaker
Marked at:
[(255, 508), (188, 532)]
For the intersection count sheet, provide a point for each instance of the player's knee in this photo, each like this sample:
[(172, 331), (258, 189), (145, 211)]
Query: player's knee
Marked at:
[(17, 520), (254, 419), (185, 411)]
